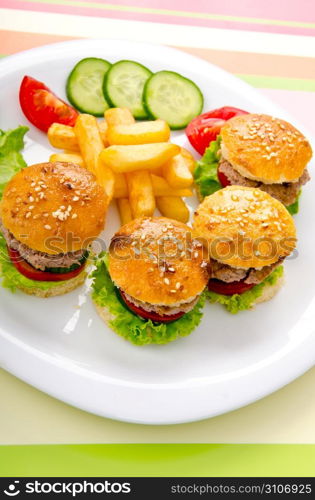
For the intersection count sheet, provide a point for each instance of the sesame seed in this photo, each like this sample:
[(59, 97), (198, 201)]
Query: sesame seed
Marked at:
[(241, 233), (74, 216), (171, 269), (28, 215), (31, 207), (75, 198), (38, 188), (182, 254), (203, 264), (268, 148), (133, 244), (177, 286), (173, 291), (196, 255), (143, 237), (69, 208), (47, 226), (33, 184), (164, 229), (265, 224), (166, 281), (46, 214), (31, 199)]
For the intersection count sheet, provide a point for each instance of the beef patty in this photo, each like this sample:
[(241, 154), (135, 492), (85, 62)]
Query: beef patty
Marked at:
[(287, 192), (228, 274), (41, 260)]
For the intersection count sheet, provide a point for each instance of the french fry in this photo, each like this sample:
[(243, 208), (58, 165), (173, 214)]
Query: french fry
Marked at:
[(91, 144), (106, 178), (103, 128), (162, 188), (173, 207), (68, 157), (124, 209), (139, 133), (190, 160), (89, 140), (63, 137), (141, 195), (123, 159), (120, 186), (118, 116), (177, 173)]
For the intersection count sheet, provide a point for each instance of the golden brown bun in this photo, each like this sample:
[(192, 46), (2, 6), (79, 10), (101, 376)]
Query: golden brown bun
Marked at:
[(176, 277), (245, 227), (265, 149), (31, 207)]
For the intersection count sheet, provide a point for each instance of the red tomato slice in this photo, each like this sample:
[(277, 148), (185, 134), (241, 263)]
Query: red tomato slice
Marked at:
[(206, 127), (42, 107), (149, 315), (35, 274), (223, 288), (224, 181)]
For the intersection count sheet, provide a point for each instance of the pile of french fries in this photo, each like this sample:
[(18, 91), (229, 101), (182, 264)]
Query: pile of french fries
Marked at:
[(134, 162)]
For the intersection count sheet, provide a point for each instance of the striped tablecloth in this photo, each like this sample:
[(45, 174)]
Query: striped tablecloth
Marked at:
[(271, 45)]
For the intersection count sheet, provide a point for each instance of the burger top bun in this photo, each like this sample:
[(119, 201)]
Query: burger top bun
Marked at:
[(156, 260), (265, 149), (245, 227), (54, 207)]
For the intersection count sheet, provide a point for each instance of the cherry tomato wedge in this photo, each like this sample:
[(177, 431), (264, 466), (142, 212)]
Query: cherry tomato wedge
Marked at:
[(224, 181), (223, 288), (149, 315), (42, 107), (206, 127), (35, 274)]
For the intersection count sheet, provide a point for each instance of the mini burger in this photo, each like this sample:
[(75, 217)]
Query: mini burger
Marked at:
[(148, 288), (248, 235), (49, 215), (264, 152), (256, 151)]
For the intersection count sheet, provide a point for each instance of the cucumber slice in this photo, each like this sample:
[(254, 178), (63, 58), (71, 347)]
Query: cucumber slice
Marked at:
[(123, 86), (84, 86), (173, 98)]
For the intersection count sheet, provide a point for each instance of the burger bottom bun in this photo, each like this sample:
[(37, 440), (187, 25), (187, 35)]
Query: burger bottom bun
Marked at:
[(61, 289), (269, 292)]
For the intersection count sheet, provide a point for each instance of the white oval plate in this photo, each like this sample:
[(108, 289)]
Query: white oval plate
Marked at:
[(61, 346)]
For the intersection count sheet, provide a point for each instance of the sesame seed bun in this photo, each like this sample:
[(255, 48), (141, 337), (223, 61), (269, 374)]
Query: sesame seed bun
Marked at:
[(265, 149), (54, 207), (245, 227), (156, 270)]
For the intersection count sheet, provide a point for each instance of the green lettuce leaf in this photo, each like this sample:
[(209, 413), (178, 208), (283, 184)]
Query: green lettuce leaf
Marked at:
[(11, 160), (294, 208), (129, 325), (244, 301), (12, 279), (205, 173)]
